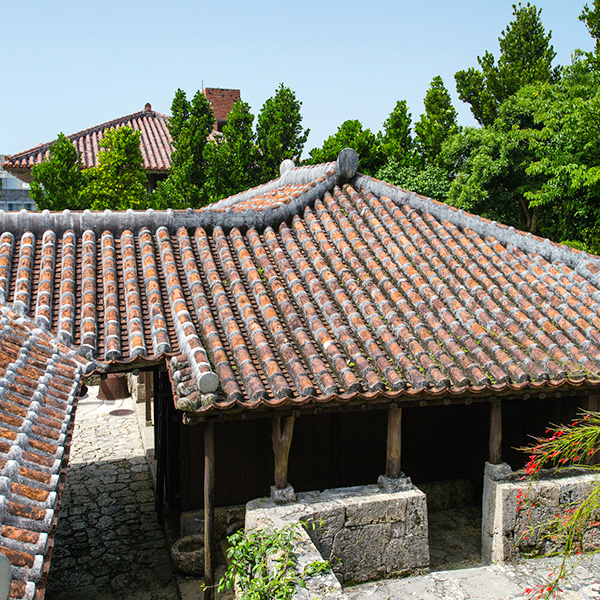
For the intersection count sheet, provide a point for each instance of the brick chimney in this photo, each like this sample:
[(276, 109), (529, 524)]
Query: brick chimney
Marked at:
[(221, 101)]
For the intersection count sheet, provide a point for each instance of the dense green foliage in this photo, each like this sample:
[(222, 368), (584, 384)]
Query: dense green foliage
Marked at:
[(279, 133), (119, 180), (351, 134), (190, 125), (396, 139), (263, 564), (233, 160), (58, 181), (526, 56), (437, 124)]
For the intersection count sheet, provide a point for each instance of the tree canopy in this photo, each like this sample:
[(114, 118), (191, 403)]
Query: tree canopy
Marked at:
[(526, 56), (279, 133), (233, 159), (119, 180), (437, 124), (350, 134), (190, 125), (58, 181)]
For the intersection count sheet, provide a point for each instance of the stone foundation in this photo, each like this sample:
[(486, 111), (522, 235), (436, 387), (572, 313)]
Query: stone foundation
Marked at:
[(515, 511), (363, 532)]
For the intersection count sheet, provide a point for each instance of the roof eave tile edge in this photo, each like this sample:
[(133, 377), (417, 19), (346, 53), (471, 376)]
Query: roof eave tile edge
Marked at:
[(584, 264)]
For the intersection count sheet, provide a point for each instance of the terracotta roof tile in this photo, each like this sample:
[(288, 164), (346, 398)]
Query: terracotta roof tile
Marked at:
[(39, 378), (304, 290), (156, 144)]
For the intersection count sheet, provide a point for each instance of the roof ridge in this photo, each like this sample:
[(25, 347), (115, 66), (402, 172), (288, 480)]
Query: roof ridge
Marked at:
[(320, 179), (587, 265), (76, 135)]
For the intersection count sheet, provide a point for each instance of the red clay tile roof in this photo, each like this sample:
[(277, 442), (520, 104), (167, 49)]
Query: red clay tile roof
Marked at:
[(311, 290), (39, 379), (156, 144)]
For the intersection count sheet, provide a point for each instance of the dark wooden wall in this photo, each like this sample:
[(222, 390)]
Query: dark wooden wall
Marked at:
[(344, 449)]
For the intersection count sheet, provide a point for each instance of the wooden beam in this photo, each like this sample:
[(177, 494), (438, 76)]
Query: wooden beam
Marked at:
[(283, 429), (393, 466), (496, 432), (209, 511)]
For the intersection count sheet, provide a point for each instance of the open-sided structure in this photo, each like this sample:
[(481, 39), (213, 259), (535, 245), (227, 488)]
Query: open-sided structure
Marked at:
[(322, 329)]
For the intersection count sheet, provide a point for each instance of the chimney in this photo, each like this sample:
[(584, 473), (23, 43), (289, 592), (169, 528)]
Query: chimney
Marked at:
[(221, 100)]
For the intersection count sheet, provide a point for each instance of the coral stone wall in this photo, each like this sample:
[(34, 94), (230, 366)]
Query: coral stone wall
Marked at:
[(364, 532), (516, 511)]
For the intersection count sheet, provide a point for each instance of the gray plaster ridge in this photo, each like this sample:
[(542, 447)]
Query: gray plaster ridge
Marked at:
[(579, 261), (293, 176), (119, 221)]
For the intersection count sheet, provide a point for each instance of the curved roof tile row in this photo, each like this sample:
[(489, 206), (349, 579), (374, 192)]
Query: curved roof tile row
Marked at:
[(313, 289), (39, 378), (155, 143), (356, 288)]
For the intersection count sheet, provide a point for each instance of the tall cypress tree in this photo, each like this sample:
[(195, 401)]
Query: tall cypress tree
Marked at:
[(190, 126), (437, 124), (526, 56), (279, 133), (232, 160), (396, 140)]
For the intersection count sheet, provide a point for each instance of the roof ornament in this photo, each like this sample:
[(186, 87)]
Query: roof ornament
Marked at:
[(346, 164), (286, 166)]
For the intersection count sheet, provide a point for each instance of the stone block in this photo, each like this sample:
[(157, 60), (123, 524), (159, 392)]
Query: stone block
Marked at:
[(406, 555), (358, 551), (388, 508), (323, 526), (416, 516)]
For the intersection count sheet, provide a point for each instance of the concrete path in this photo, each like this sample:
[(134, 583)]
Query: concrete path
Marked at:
[(498, 582), (109, 545)]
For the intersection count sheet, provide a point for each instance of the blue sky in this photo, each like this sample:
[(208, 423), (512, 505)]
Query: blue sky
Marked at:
[(71, 64)]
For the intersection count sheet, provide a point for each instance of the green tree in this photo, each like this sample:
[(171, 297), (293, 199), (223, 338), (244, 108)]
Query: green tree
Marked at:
[(526, 56), (279, 132), (491, 173), (190, 125), (119, 180), (437, 124), (350, 134), (232, 160), (429, 180), (58, 182), (396, 140), (591, 18)]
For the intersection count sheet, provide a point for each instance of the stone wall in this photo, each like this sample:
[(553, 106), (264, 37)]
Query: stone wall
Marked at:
[(515, 510), (365, 533)]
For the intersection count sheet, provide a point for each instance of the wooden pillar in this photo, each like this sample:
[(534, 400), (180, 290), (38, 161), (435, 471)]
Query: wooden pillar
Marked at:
[(495, 432), (592, 404), (283, 429), (393, 466), (209, 510)]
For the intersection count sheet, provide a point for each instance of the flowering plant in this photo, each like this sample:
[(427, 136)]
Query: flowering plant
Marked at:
[(576, 529)]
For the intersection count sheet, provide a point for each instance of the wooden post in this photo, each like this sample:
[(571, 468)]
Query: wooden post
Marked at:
[(592, 404), (282, 440), (209, 510), (495, 432), (393, 466)]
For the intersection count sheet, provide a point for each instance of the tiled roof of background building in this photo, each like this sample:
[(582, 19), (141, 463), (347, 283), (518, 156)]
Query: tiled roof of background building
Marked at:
[(311, 290), (156, 144), (39, 379)]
